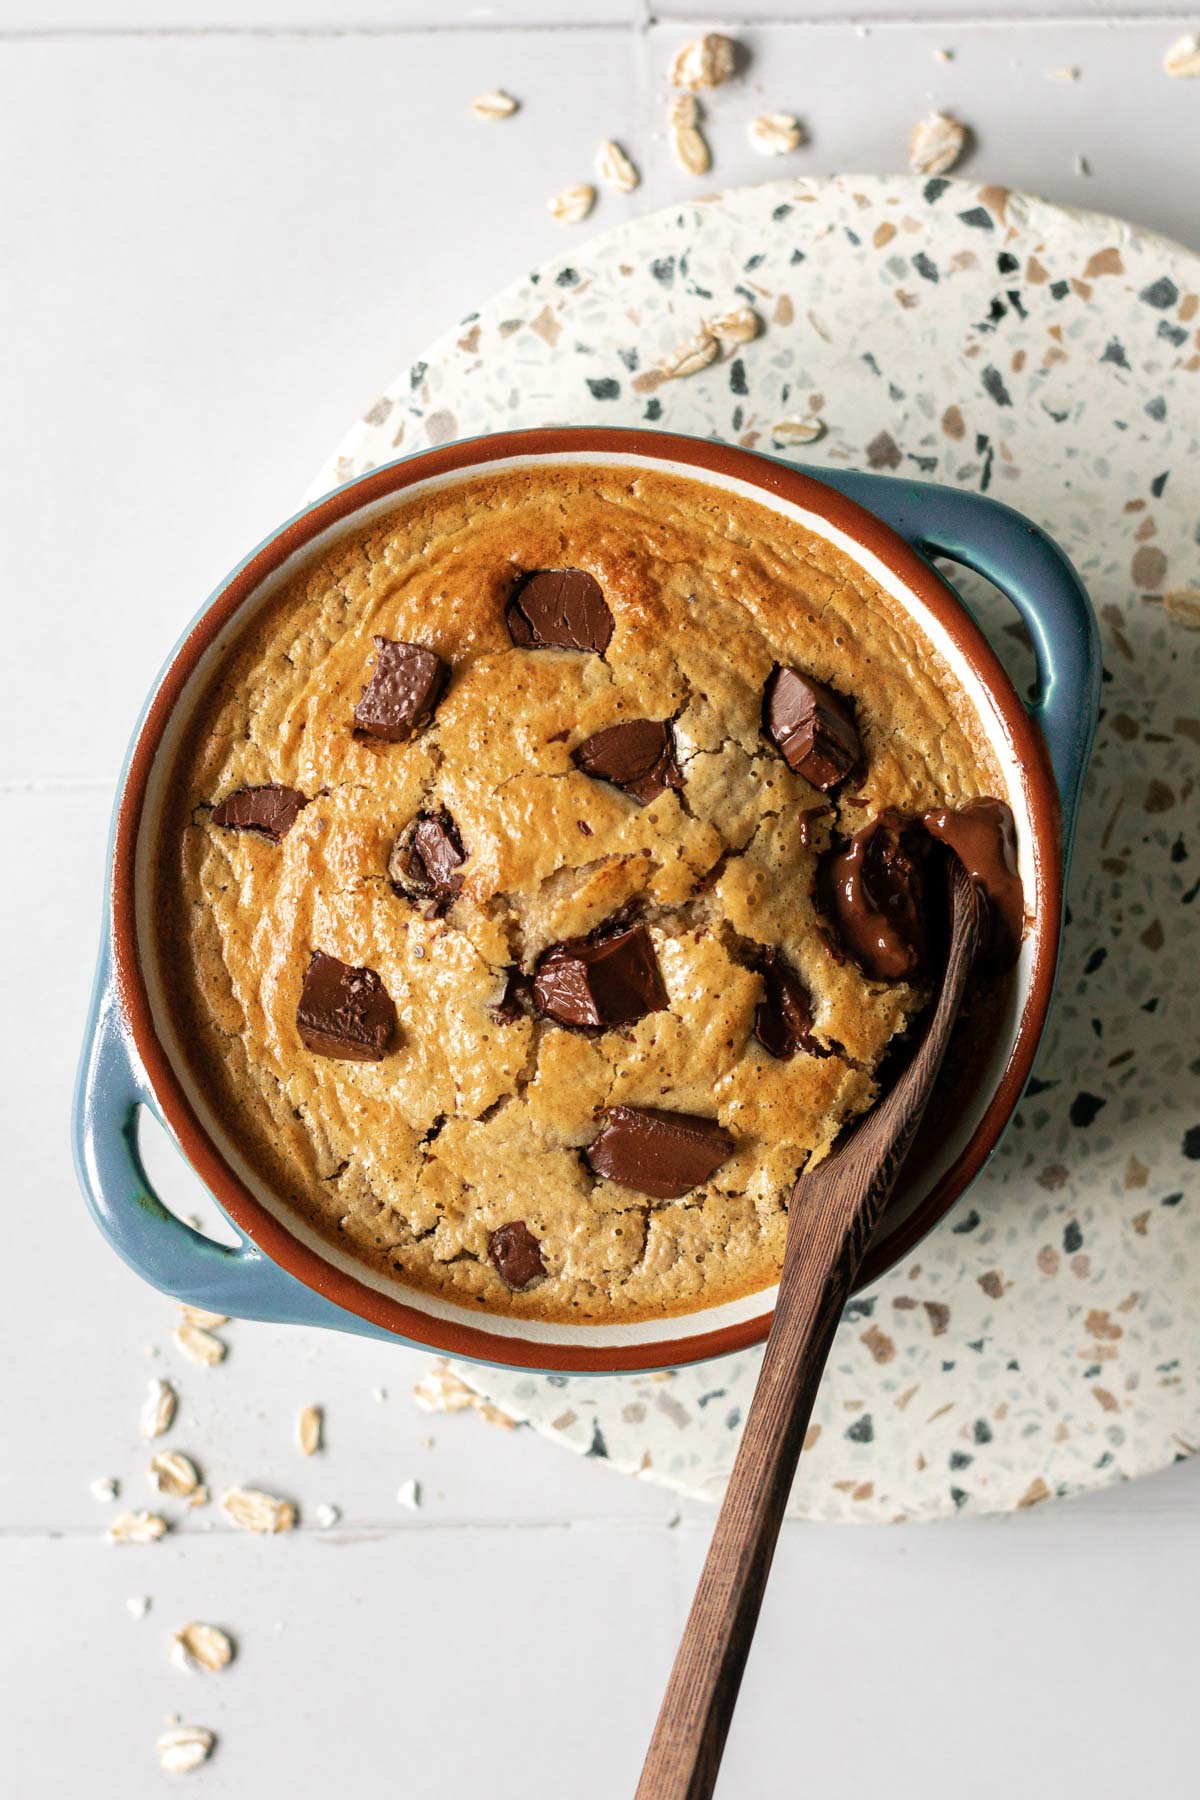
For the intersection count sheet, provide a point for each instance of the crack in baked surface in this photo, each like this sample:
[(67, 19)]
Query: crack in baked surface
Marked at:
[(473, 1121)]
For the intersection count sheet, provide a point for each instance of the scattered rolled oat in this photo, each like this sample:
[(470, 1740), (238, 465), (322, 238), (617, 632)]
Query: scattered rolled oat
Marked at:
[(200, 1315), (173, 1473), (136, 1528), (494, 105), (1183, 605), (688, 145), (936, 144), (441, 1390), (309, 1424), (199, 1346), (104, 1488), (573, 204), (800, 428), (138, 1605), (775, 134), (704, 63), (158, 1409), (252, 1510), (615, 169), (1183, 58), (736, 327), (327, 1515), (200, 1647), (184, 1748), (691, 357), (409, 1494)]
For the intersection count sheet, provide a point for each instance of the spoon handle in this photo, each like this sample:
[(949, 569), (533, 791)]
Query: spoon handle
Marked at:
[(831, 1215), (685, 1751)]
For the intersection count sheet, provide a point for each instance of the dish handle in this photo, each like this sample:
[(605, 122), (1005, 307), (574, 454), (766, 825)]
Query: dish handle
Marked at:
[(1028, 567), (173, 1257)]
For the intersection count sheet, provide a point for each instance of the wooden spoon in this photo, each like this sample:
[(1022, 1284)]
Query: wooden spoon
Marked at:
[(831, 1215)]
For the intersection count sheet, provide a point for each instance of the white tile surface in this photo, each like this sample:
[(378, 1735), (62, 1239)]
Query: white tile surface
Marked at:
[(428, 1664), (230, 244), (1019, 1656), (859, 98), (218, 247), (295, 16)]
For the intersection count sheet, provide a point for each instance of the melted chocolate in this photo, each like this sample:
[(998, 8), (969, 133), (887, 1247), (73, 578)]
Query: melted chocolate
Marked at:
[(983, 836), (783, 1017), (508, 1009), (805, 823), (876, 896), (874, 893)]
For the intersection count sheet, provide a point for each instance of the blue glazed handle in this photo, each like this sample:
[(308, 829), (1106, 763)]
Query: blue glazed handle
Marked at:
[(1029, 568), (237, 1280)]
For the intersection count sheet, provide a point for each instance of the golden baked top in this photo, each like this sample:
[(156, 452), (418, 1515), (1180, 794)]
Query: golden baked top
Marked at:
[(380, 974)]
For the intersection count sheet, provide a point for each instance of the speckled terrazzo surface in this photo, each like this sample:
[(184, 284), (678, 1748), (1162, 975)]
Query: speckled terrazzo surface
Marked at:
[(1045, 1338)]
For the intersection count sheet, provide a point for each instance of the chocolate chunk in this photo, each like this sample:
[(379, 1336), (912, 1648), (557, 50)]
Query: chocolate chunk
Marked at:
[(811, 726), (403, 691), (783, 1017), (638, 756), (559, 609), (610, 978), (663, 1154), (517, 1255), (270, 811), (344, 1012), (873, 892), (983, 836), (426, 858)]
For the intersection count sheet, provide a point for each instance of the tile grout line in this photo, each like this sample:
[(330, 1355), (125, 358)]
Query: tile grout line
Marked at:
[(684, 1526), (330, 31), (917, 19), (343, 1534), (643, 20)]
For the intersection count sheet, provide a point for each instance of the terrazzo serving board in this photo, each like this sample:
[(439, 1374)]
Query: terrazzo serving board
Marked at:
[(1045, 1338)]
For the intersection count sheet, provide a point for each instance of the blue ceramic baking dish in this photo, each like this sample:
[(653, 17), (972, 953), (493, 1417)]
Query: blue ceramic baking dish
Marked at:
[(279, 1269)]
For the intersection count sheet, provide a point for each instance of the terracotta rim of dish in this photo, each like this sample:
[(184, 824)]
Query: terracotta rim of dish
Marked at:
[(775, 481)]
